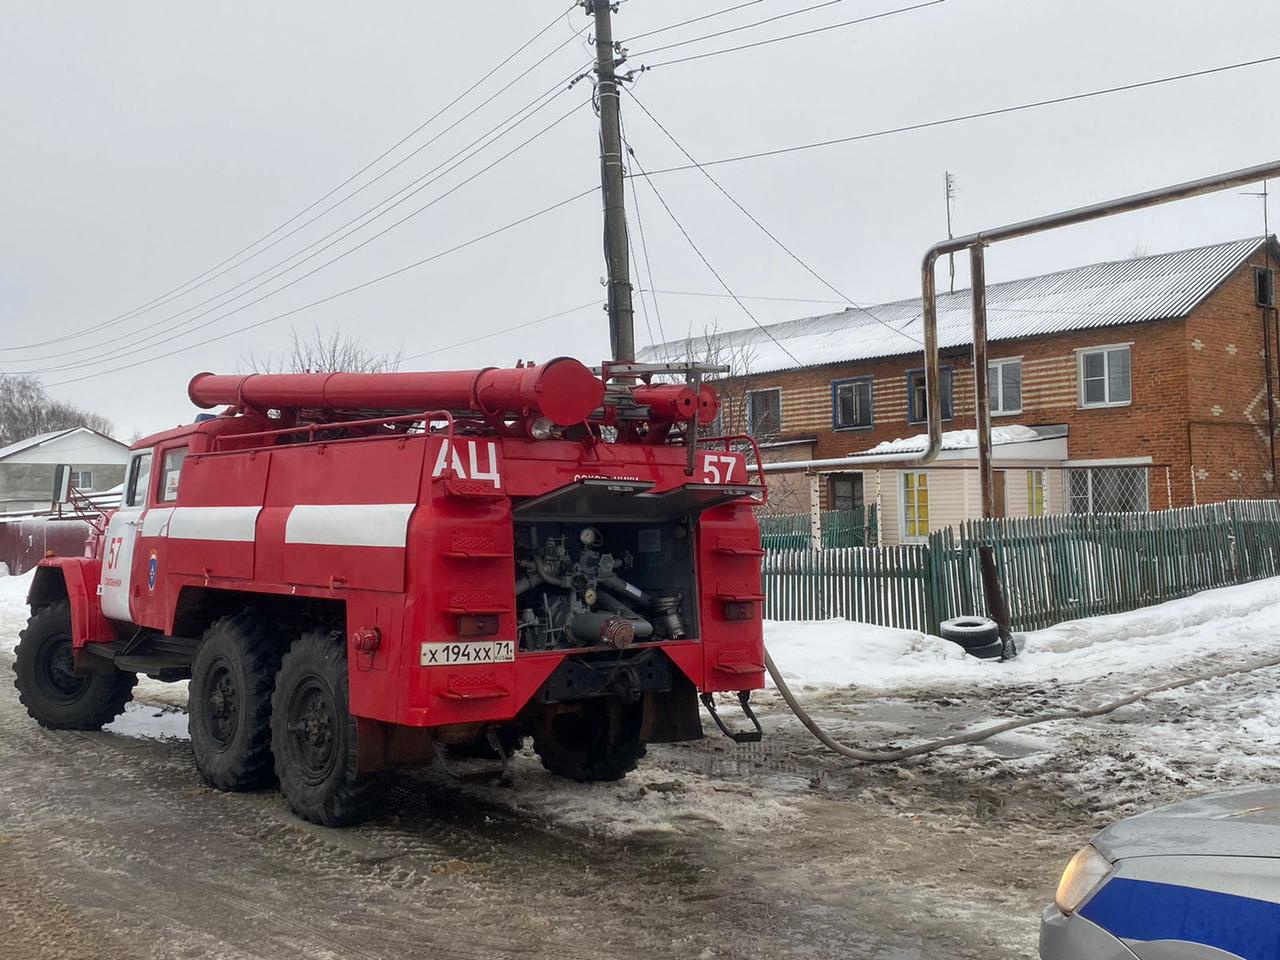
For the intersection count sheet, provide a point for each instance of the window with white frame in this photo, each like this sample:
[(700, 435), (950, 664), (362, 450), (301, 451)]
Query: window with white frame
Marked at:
[(915, 504), (764, 412), (1004, 386), (851, 403), (1108, 490), (1035, 493), (135, 491), (82, 480), (846, 491), (1105, 376)]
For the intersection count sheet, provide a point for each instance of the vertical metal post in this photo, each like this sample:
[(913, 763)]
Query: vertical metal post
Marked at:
[(981, 388), (815, 511), (621, 330)]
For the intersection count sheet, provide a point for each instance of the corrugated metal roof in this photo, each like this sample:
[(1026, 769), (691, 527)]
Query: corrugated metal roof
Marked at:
[(1158, 287)]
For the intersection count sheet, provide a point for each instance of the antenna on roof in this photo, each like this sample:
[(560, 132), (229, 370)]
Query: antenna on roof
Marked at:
[(951, 200)]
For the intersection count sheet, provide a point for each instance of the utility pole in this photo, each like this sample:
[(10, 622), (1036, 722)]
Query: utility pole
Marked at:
[(1267, 312), (621, 330)]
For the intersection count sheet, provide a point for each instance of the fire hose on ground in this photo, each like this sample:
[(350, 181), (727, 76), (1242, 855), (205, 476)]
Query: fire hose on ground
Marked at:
[(986, 733)]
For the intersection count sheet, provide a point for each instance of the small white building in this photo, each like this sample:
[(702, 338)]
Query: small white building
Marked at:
[(27, 467), (912, 502)]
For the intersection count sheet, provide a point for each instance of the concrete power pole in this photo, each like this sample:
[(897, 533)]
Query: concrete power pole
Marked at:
[(622, 336)]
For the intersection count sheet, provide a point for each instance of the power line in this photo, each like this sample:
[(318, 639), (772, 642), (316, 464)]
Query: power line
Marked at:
[(765, 230), (644, 248), (341, 293), (175, 292), (511, 329), (738, 29), (644, 306), (417, 186), (699, 293), (129, 349), (727, 289), (966, 117), (790, 36), (685, 23)]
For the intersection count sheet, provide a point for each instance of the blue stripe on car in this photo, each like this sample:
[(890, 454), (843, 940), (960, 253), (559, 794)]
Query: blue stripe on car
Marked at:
[(1143, 910)]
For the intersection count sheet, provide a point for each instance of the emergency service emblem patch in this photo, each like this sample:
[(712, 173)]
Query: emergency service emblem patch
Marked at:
[(153, 566)]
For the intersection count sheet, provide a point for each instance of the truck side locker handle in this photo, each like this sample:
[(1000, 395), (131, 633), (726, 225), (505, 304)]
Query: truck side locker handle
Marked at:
[(737, 736)]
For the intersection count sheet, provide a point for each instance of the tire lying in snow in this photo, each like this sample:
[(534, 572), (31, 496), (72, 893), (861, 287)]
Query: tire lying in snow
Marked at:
[(990, 651), (979, 636), (54, 693)]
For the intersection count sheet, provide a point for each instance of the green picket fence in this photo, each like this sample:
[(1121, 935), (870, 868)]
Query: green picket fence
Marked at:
[(1051, 568), (840, 528), (884, 585)]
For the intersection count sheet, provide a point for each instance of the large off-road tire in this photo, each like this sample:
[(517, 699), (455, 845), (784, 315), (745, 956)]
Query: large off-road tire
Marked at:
[(55, 695), (314, 734), (229, 702), (599, 742)]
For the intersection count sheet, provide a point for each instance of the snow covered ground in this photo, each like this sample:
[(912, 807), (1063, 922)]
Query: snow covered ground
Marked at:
[(791, 815), (1231, 624)]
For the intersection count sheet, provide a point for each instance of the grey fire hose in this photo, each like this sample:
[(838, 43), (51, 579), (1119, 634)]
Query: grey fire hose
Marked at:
[(986, 733)]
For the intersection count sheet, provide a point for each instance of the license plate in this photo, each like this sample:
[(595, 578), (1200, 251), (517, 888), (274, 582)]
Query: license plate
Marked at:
[(461, 654)]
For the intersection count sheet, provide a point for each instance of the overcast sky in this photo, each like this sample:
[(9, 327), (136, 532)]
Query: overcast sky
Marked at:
[(145, 142)]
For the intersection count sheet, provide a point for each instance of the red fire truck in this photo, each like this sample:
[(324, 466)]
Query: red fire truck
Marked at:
[(357, 570)]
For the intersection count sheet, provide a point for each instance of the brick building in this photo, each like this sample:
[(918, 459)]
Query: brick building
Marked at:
[(1131, 384)]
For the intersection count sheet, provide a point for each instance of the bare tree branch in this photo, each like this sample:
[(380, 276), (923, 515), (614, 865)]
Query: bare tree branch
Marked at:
[(26, 410), (317, 352)]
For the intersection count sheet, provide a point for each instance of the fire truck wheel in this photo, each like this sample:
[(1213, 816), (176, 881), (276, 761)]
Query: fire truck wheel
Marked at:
[(313, 734), (599, 742), (229, 702), (55, 695)]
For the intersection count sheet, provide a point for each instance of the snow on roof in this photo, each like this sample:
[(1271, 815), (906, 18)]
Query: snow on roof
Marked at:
[(39, 438), (965, 439), (1156, 287)]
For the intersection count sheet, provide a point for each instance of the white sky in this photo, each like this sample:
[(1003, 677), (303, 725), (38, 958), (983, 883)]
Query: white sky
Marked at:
[(144, 142)]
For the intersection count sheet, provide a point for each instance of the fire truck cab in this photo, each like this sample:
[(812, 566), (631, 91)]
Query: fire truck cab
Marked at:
[(355, 571)]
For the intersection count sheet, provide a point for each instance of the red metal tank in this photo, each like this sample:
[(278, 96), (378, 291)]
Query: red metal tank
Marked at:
[(562, 390), (708, 404), (668, 401)]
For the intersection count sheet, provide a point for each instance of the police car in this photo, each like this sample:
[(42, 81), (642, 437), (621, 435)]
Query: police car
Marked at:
[(1198, 880)]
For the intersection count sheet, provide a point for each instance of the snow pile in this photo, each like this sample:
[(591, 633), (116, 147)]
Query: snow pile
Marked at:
[(843, 652), (1240, 621), (953, 440), (13, 608)]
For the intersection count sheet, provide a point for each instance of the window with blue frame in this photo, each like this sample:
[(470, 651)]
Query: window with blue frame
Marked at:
[(918, 395), (851, 403)]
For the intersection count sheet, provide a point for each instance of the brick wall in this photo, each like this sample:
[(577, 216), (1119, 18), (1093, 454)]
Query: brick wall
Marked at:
[(1227, 420), (1177, 387)]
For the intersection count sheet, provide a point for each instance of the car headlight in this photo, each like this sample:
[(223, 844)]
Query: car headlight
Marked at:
[(1087, 869)]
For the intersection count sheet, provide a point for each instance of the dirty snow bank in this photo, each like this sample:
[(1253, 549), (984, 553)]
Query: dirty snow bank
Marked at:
[(13, 608), (648, 802), (1240, 621)]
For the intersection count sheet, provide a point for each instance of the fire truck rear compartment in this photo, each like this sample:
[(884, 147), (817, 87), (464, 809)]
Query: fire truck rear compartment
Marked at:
[(604, 585)]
